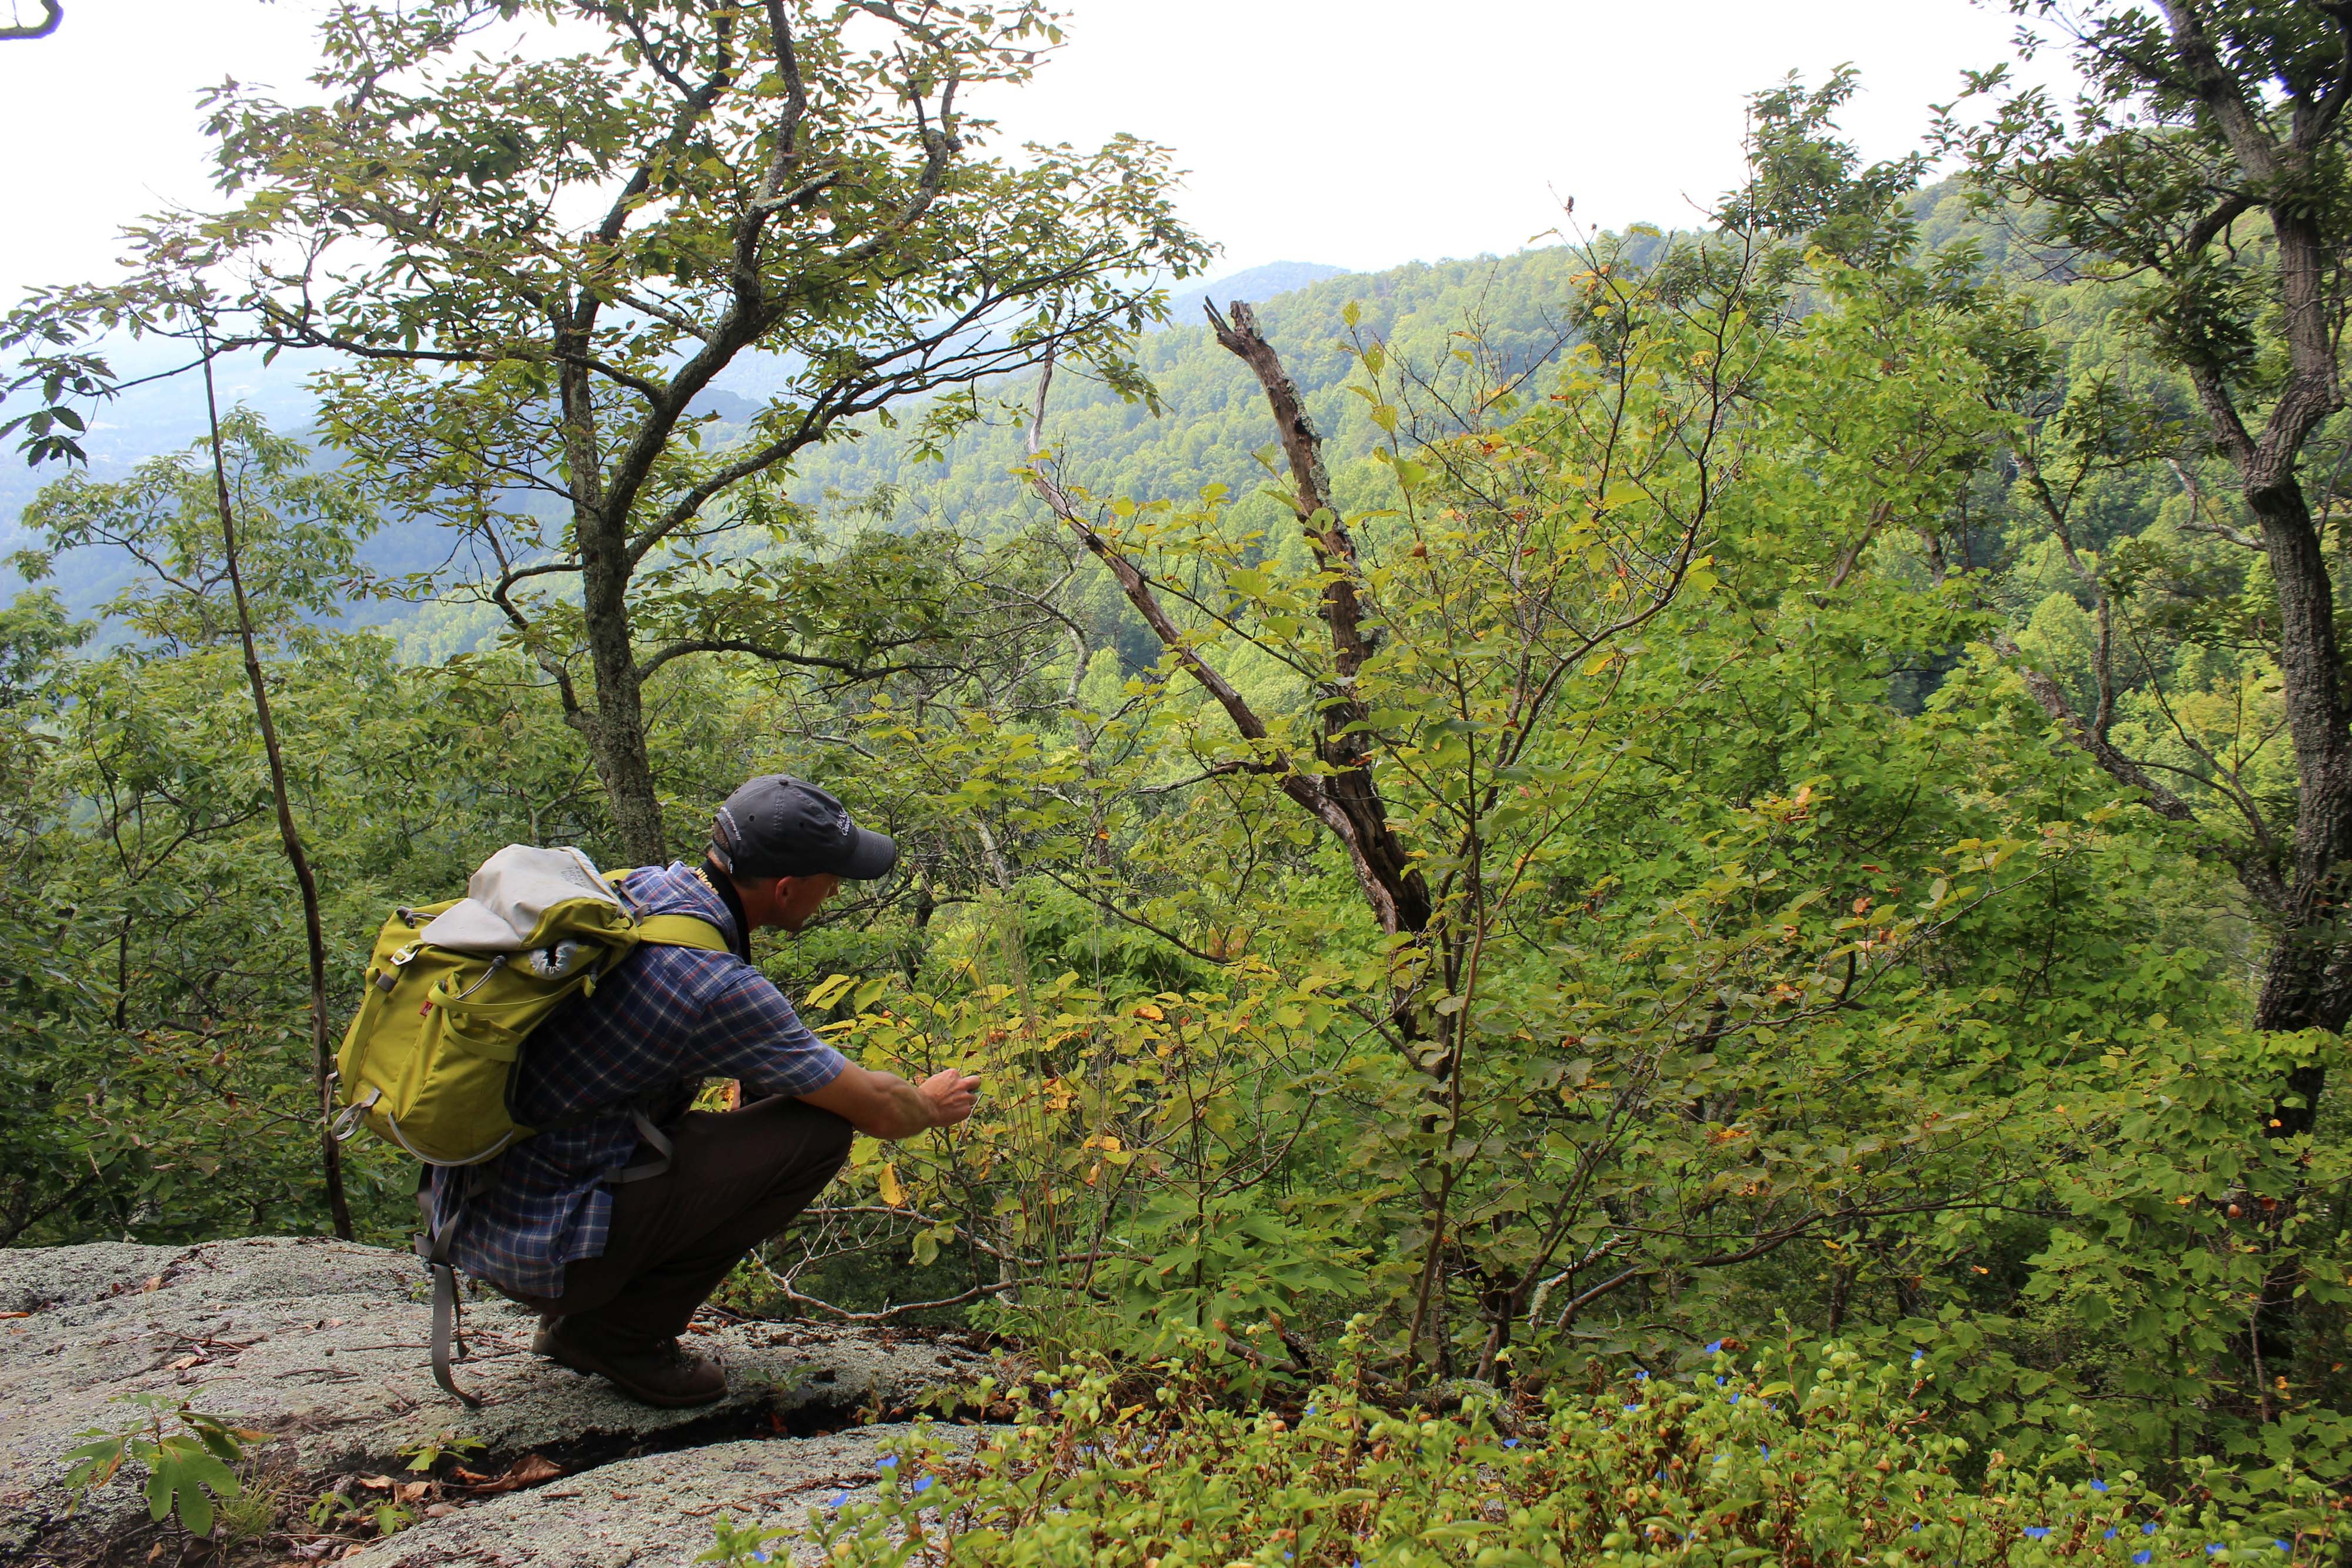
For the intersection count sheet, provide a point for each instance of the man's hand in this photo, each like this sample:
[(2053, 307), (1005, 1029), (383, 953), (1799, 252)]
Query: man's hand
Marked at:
[(954, 1091), (885, 1105)]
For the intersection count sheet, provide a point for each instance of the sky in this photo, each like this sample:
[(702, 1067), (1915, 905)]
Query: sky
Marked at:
[(1361, 133)]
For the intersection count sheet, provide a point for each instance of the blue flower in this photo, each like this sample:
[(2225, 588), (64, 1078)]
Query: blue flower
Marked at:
[(1719, 1382), (2149, 1529), (2110, 1535), (1734, 1399), (2098, 1486), (1765, 1449), (2142, 1558), (1918, 1356), (1310, 1409), (884, 1464), (923, 1485), (1510, 1442), (1714, 1347), (2284, 1545), (836, 1499), (2212, 1548), (1916, 1527), (1630, 1409), (2037, 1530)]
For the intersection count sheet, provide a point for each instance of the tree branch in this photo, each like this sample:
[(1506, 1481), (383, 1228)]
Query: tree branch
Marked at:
[(52, 12), (775, 655)]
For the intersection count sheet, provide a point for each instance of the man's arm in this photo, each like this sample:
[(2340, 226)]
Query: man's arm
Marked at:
[(885, 1105)]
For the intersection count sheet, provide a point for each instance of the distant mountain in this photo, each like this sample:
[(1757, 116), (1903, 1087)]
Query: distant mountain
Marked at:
[(1254, 286), (162, 414)]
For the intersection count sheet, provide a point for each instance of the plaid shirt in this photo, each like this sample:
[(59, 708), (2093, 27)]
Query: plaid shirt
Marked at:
[(664, 1020)]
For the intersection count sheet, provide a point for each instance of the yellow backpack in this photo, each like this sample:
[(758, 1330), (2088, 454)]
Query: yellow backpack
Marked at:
[(453, 989)]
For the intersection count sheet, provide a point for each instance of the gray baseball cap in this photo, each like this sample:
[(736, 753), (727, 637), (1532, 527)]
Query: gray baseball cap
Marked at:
[(777, 825)]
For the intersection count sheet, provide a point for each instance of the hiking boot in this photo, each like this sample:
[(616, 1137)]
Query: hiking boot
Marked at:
[(665, 1373)]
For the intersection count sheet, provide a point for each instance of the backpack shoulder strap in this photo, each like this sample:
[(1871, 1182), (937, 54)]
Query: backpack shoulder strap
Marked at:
[(681, 931), (671, 930)]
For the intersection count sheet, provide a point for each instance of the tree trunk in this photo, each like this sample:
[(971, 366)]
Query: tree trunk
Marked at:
[(615, 728), (2305, 985), (330, 1160)]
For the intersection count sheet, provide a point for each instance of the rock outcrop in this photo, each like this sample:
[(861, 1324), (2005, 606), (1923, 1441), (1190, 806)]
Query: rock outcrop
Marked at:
[(322, 1344)]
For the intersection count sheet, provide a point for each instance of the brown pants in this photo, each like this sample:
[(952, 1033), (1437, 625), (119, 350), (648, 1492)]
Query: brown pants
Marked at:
[(735, 1179)]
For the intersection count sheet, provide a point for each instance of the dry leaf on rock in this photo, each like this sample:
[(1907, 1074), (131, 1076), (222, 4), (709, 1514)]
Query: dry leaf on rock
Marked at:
[(527, 1471)]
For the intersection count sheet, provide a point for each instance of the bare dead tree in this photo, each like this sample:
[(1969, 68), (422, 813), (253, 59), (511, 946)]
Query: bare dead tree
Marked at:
[(1342, 795)]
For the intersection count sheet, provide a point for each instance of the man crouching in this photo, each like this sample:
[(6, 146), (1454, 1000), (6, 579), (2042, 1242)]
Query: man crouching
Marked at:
[(617, 1266)]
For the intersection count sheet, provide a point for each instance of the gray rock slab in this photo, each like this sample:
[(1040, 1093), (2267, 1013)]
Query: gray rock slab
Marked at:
[(323, 1345), (656, 1511), (35, 1278)]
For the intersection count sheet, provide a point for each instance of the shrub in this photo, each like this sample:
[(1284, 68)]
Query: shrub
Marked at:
[(1733, 1465)]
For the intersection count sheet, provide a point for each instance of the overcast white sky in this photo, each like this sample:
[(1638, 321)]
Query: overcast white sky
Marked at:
[(1356, 132)]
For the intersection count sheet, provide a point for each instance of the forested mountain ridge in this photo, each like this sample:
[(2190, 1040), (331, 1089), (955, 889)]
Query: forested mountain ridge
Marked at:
[(1196, 439), (1210, 418), (1208, 428)]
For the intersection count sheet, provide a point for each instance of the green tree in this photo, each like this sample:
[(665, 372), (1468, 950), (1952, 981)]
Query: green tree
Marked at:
[(793, 191), (2202, 160), (249, 538)]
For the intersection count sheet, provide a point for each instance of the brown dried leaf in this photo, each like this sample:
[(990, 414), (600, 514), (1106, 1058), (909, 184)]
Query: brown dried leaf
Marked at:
[(527, 1471)]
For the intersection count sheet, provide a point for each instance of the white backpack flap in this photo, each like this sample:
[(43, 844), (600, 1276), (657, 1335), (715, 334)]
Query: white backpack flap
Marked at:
[(505, 900)]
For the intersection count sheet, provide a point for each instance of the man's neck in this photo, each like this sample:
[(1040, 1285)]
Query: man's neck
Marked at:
[(719, 882)]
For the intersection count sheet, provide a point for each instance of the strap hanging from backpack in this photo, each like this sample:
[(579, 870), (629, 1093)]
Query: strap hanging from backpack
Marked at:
[(663, 1149), (433, 1244)]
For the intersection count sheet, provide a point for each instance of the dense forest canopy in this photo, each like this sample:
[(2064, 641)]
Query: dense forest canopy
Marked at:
[(1784, 781)]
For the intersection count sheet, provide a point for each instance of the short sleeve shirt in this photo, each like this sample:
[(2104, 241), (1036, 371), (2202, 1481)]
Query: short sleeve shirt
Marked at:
[(664, 1020)]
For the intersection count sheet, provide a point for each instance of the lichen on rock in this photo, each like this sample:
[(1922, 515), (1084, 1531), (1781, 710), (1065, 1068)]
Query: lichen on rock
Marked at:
[(322, 1344)]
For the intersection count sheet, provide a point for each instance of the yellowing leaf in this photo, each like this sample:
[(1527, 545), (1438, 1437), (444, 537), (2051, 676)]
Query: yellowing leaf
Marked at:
[(829, 991), (892, 1193), (1146, 1010)]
